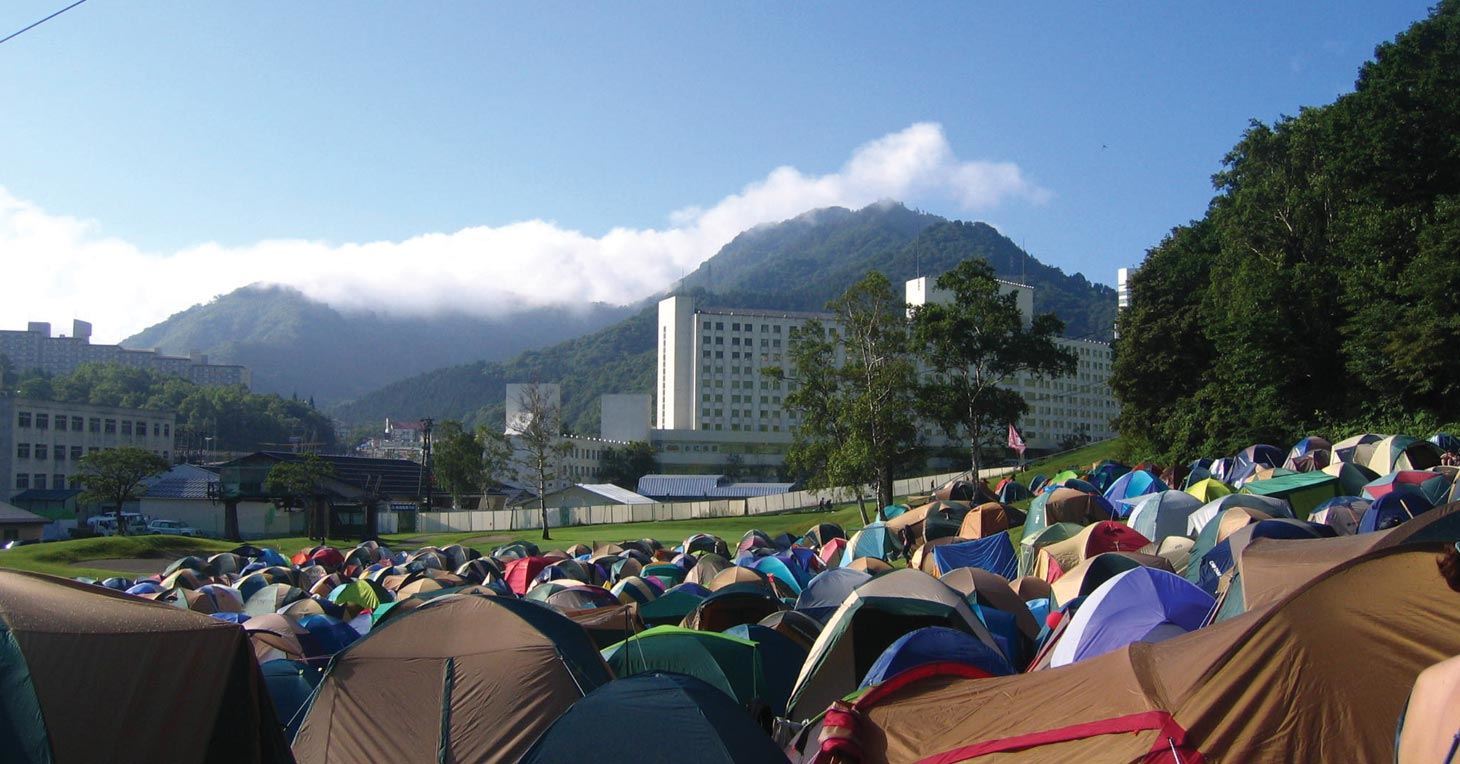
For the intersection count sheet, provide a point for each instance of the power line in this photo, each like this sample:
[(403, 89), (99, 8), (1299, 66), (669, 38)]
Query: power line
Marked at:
[(42, 21)]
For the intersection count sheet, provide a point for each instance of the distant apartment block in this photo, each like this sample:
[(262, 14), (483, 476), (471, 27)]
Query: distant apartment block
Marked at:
[(41, 442), (36, 349)]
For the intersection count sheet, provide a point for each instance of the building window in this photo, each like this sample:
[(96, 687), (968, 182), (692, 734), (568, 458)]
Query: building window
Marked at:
[(41, 451), (42, 421), (94, 424), (22, 482), (22, 450), (59, 481), (59, 453), (167, 429), (76, 453), (111, 427), (38, 481), (60, 424), (156, 429), (127, 427)]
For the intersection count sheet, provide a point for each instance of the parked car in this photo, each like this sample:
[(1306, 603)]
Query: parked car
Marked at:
[(106, 525), (171, 528)]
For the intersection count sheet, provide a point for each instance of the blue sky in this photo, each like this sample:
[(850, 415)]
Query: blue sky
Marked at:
[(314, 139)]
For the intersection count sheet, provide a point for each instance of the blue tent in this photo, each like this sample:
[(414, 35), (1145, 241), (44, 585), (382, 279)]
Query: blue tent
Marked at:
[(992, 553), (1131, 485), (774, 566), (1037, 482), (875, 540), (290, 683), (1394, 508), (1106, 473), (825, 593), (935, 644), (1080, 485), (1159, 515), (678, 718), (1139, 605), (1011, 491), (780, 659), (1246, 462)]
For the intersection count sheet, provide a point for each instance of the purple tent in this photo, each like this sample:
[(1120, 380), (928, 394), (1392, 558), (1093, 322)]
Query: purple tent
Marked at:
[(1139, 605)]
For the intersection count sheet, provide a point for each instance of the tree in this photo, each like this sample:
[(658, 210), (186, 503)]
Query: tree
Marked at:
[(497, 455), (853, 393), (115, 476), (623, 466), (974, 345), (300, 483), (540, 443), (457, 460)]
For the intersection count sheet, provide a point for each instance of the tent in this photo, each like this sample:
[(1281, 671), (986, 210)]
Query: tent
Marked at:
[(1391, 509), (1341, 513), (1030, 544), (1434, 486), (781, 657), (1402, 452), (1268, 506), (690, 720), (831, 552), (522, 572), (875, 540), (1215, 563), (991, 590), (289, 683), (1065, 505), (1158, 515), (871, 619), (987, 519), (935, 644), (1139, 605), (1056, 559), (828, 590), (1215, 532), (1249, 459), (994, 553), (1090, 574), (1358, 449), (1351, 477), (91, 674), (706, 568), (729, 664), (1208, 489), (452, 694), (1133, 484), (1104, 474), (1227, 690), (733, 606), (821, 533), (1303, 491), (1010, 491), (673, 605), (1309, 454)]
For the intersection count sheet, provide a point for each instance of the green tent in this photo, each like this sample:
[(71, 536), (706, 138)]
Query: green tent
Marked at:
[(1031, 543), (728, 663), (1304, 491), (670, 608)]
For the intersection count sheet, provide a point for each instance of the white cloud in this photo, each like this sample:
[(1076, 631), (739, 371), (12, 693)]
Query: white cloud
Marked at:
[(69, 267)]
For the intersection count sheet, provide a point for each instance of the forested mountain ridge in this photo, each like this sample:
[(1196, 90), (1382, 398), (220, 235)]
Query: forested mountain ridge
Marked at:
[(294, 344), (1317, 294), (799, 264)]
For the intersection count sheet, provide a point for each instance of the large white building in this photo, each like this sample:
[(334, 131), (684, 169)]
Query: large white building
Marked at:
[(42, 442), (710, 380), (36, 349)]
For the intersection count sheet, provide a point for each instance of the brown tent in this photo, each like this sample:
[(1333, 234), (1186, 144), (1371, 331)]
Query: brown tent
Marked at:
[(995, 591), (88, 674), (985, 520), (461, 678), (1067, 505), (1272, 685)]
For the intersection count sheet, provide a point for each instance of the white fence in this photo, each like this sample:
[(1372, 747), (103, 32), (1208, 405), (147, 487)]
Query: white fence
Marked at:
[(529, 518)]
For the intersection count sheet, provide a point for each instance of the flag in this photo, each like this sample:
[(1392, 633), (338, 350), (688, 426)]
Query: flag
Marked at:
[(1015, 441)]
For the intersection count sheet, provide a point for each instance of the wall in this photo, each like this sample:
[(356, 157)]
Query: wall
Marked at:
[(527, 519), (256, 519)]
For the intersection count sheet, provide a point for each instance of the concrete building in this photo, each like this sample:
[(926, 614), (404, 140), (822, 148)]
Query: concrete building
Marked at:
[(41, 442), (36, 349), (625, 417), (1122, 293)]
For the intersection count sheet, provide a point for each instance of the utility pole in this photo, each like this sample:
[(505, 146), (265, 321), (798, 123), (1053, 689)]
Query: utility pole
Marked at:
[(425, 479)]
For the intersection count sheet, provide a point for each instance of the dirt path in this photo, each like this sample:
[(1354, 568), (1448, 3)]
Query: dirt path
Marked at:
[(139, 566)]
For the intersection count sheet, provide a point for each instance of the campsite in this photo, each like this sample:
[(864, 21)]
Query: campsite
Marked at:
[(1123, 612)]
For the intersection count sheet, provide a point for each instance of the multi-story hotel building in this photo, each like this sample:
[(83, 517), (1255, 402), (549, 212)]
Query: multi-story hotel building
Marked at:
[(41, 442), (36, 349)]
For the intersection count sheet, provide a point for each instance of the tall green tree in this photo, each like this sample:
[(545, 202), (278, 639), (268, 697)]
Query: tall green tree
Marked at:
[(457, 460), (974, 346), (115, 476), (539, 442), (624, 465), (301, 483)]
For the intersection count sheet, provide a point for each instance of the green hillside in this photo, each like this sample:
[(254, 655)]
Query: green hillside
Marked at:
[(296, 345), (799, 264)]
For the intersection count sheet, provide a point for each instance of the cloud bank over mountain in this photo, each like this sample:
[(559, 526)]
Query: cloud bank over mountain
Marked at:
[(70, 267)]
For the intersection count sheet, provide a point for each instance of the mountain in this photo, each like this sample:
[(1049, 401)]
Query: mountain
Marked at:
[(798, 264), (297, 345)]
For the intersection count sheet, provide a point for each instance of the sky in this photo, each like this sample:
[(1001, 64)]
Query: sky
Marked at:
[(426, 158)]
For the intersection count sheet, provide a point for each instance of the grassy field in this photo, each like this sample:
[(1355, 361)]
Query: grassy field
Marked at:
[(130, 556)]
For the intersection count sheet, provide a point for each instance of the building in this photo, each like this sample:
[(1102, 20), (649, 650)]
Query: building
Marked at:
[(1122, 293), (704, 487), (41, 442), (356, 488), (17, 524), (1062, 410), (190, 493), (589, 495), (401, 439), (36, 349), (625, 417), (710, 367)]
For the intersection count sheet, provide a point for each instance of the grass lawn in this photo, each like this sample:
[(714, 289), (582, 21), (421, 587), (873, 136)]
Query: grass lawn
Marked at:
[(129, 556)]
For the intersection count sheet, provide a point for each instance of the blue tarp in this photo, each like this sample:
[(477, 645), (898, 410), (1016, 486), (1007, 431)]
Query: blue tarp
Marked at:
[(935, 644), (992, 553)]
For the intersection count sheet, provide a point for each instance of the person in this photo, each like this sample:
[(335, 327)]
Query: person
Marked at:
[(1449, 565)]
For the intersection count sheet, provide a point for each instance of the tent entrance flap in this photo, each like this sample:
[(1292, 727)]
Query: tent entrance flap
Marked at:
[(448, 682)]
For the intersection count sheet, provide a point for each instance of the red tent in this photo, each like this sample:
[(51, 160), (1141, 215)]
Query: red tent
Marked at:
[(831, 552), (520, 573)]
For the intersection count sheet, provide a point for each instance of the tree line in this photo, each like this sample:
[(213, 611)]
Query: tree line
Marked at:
[(1317, 292)]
